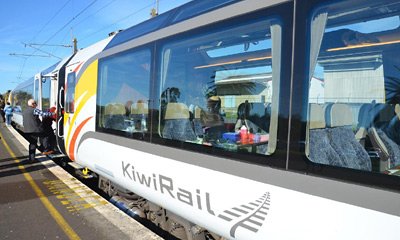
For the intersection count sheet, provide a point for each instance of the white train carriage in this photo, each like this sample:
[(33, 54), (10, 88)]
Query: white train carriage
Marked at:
[(246, 119)]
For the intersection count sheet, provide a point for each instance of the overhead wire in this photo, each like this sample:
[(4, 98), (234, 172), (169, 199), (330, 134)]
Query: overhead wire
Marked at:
[(94, 13), (119, 20), (97, 11), (59, 30), (51, 19), (34, 37), (76, 16), (72, 19)]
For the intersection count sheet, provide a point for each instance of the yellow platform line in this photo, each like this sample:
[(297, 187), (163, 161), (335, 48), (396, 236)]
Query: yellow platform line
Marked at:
[(50, 208)]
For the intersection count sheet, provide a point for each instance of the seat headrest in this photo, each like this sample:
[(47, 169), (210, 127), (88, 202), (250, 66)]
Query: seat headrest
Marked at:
[(197, 112), (176, 111), (140, 108), (317, 116), (214, 98), (341, 115), (114, 109)]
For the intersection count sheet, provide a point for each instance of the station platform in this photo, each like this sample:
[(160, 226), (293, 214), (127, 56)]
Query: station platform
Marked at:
[(40, 200)]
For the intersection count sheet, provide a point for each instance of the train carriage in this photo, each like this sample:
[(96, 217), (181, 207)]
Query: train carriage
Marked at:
[(246, 119)]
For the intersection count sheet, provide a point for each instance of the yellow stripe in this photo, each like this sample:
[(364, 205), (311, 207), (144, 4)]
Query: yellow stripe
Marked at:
[(86, 87), (50, 208)]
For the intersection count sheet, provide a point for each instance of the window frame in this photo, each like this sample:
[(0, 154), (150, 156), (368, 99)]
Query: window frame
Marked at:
[(143, 136), (298, 161), (278, 158)]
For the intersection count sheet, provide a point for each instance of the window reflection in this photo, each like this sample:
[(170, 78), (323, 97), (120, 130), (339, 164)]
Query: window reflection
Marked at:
[(217, 89), (355, 86), (124, 92)]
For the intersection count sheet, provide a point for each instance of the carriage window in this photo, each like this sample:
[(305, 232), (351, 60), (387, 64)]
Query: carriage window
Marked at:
[(46, 82), (70, 93), (219, 89), (124, 93), (21, 96), (354, 95), (36, 91)]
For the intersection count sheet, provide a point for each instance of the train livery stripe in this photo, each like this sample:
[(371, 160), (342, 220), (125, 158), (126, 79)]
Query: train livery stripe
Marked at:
[(68, 230), (85, 89), (74, 137), (78, 67)]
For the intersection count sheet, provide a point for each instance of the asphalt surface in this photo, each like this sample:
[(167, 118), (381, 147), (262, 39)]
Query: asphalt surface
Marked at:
[(40, 200)]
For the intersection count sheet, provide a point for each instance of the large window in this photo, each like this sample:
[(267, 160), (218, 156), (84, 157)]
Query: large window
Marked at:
[(221, 89), (21, 97), (123, 92), (354, 93)]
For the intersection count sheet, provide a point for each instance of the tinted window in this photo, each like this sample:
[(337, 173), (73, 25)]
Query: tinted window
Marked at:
[(46, 82), (21, 97), (70, 93), (354, 91), (218, 89), (123, 92)]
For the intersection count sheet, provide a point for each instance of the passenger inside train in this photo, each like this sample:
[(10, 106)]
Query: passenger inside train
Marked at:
[(223, 81)]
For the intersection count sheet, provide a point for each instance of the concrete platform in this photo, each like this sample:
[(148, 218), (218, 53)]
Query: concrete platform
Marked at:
[(42, 201)]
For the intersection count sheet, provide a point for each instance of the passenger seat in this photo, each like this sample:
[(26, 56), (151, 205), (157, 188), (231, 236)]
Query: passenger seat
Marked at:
[(383, 137), (319, 147), (114, 116), (177, 125), (344, 141)]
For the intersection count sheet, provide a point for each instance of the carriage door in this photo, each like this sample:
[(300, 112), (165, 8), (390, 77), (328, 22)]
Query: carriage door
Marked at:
[(60, 82), (69, 100)]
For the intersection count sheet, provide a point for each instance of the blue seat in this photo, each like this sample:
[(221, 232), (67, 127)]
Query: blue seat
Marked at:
[(337, 145), (319, 147), (343, 139)]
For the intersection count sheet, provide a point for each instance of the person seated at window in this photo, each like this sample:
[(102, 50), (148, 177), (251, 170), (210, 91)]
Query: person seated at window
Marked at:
[(128, 106), (211, 120)]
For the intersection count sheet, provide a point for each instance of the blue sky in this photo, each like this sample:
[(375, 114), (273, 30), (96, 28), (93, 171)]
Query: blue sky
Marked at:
[(56, 22)]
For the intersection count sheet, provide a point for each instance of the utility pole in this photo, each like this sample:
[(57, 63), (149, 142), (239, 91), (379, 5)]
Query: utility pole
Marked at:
[(75, 43), (154, 11)]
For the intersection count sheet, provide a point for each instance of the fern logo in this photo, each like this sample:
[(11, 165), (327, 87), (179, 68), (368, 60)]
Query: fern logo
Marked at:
[(249, 216)]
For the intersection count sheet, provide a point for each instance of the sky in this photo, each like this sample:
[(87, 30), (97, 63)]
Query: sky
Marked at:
[(35, 34)]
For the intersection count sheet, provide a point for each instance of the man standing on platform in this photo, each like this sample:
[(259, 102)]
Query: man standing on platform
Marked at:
[(33, 127), (2, 105)]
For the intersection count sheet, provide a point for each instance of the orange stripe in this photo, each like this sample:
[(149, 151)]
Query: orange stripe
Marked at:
[(77, 68), (74, 137)]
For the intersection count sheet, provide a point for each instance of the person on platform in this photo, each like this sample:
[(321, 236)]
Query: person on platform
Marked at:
[(2, 105), (49, 138), (33, 127), (8, 111)]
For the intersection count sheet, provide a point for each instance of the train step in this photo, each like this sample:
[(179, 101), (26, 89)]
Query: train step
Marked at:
[(76, 165), (81, 171)]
